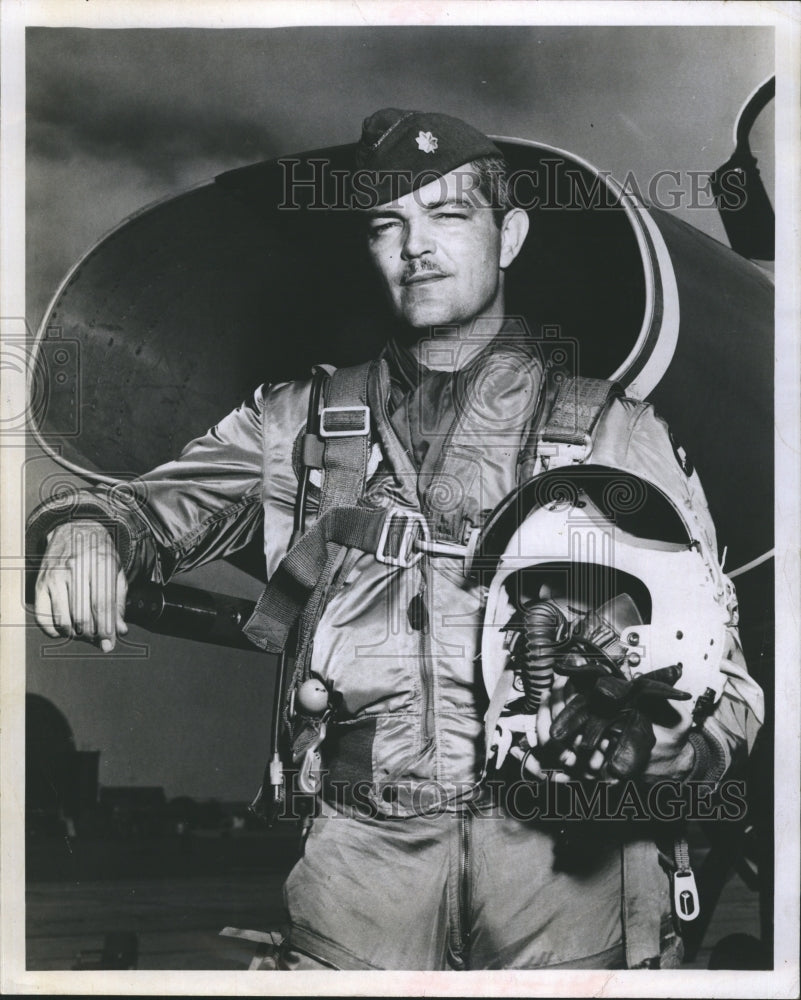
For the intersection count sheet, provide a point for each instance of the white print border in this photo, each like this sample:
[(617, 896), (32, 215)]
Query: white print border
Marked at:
[(204, 13)]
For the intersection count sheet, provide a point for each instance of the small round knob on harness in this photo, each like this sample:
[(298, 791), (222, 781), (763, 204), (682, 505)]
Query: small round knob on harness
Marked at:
[(313, 696)]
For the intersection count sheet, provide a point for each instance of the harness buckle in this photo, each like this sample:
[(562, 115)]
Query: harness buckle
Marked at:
[(310, 774), (414, 527), (555, 454), (344, 421)]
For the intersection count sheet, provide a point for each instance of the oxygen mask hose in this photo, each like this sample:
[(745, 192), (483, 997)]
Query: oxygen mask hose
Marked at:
[(537, 649)]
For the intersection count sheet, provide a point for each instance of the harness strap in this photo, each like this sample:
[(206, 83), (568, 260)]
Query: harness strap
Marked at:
[(345, 427), (567, 435), (553, 377), (344, 422), (345, 430), (390, 534)]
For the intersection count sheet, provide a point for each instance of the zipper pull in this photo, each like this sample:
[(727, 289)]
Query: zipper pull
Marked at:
[(417, 612), (685, 891), (685, 895)]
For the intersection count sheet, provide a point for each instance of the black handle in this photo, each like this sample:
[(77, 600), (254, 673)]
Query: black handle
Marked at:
[(190, 613)]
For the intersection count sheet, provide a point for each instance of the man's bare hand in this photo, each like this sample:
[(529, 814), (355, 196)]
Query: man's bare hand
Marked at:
[(81, 588)]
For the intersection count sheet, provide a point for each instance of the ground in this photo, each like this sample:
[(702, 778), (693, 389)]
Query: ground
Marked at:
[(176, 894)]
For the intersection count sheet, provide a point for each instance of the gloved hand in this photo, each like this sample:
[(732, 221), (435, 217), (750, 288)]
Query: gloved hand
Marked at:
[(615, 716), (600, 725)]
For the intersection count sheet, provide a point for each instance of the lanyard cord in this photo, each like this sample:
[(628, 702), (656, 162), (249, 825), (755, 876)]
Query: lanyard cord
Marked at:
[(298, 527)]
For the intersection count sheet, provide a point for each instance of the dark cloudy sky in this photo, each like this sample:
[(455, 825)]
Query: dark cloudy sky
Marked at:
[(118, 119)]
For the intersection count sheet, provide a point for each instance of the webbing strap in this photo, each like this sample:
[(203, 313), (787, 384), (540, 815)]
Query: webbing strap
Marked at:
[(527, 460), (345, 457), (345, 460), (300, 570), (578, 405)]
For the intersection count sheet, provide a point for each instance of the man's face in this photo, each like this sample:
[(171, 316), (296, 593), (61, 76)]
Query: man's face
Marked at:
[(439, 252)]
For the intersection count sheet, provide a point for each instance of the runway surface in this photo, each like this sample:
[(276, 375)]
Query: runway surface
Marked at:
[(177, 895)]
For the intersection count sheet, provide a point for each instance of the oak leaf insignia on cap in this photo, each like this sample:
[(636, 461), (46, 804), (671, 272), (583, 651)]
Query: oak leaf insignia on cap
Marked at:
[(406, 149), (427, 142)]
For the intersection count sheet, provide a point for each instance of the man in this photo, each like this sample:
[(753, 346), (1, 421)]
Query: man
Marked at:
[(412, 862)]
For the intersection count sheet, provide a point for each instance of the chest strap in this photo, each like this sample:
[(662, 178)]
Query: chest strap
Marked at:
[(392, 535), (345, 436)]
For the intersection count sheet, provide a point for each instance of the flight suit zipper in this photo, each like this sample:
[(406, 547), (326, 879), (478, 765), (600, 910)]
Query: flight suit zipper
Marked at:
[(426, 658), (465, 860)]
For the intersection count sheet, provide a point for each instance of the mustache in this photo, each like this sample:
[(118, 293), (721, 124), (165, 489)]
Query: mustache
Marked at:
[(420, 267)]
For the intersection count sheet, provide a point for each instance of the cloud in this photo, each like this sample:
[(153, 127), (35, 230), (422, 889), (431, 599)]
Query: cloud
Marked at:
[(121, 96), (117, 118), (155, 138)]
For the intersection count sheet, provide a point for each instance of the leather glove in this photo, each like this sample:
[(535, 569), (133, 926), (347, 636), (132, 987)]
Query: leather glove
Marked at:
[(609, 707)]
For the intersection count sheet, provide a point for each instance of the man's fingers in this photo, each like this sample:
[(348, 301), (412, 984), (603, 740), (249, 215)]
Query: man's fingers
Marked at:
[(113, 610), (544, 719), (44, 612), (62, 612), (103, 598), (91, 575), (109, 590), (80, 583), (122, 594)]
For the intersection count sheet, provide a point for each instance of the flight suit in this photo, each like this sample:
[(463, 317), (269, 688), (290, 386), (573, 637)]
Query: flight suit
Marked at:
[(411, 863)]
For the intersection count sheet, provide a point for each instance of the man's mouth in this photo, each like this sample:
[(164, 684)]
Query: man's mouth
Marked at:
[(419, 277)]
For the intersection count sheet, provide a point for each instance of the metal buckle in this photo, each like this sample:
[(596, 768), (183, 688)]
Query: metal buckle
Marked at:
[(557, 454), (361, 431), (414, 528)]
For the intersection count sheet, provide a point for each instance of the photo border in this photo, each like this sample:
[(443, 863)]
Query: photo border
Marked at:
[(15, 15)]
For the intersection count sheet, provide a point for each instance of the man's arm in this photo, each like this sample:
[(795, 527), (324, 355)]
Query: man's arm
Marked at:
[(202, 506), (713, 748), (688, 750)]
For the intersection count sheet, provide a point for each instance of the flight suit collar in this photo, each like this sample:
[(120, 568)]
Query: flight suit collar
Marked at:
[(406, 372)]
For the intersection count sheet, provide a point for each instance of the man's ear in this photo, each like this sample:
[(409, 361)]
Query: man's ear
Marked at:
[(514, 230)]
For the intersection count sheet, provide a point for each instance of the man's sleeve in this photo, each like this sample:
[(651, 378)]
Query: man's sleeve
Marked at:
[(202, 506), (722, 743), (724, 739), (727, 736)]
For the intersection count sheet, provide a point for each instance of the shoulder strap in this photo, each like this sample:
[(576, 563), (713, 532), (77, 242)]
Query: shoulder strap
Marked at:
[(340, 446), (565, 436), (344, 433)]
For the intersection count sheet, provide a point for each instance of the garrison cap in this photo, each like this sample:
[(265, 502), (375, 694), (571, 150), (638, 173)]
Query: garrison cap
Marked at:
[(408, 149)]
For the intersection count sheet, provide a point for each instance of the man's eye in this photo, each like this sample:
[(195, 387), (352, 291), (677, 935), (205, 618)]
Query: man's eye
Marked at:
[(376, 228), (451, 215)]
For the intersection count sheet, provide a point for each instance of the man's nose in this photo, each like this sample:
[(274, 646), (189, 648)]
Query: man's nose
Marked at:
[(418, 239)]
